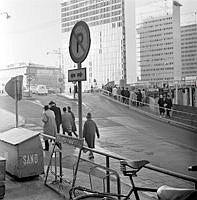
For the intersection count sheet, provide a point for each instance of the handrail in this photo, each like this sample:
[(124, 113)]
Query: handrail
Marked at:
[(189, 122), (149, 166)]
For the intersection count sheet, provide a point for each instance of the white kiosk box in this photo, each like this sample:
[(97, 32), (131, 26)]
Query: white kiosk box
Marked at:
[(22, 149)]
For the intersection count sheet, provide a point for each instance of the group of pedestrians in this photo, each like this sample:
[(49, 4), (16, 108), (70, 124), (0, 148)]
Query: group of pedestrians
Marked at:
[(165, 105), (52, 119)]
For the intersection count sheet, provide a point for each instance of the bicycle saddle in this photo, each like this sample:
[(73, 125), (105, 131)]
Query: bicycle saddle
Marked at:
[(170, 193), (136, 164)]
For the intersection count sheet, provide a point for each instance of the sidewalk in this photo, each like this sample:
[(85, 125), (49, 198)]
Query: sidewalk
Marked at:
[(8, 120), (34, 189)]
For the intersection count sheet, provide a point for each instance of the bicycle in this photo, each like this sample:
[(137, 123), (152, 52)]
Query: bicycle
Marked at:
[(163, 192)]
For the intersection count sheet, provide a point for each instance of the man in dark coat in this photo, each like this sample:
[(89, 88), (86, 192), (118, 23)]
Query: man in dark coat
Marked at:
[(58, 116), (74, 128), (161, 102), (89, 130), (168, 105)]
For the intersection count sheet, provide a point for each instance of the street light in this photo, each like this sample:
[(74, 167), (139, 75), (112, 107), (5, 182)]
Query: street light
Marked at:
[(5, 13), (58, 52)]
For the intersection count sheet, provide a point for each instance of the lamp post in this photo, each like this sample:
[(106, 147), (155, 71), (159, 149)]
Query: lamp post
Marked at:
[(58, 52), (5, 13)]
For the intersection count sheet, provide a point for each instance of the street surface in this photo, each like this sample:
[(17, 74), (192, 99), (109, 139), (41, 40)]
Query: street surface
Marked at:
[(127, 132)]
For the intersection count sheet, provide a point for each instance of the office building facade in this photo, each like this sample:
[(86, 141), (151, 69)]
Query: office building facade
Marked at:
[(160, 50), (189, 51), (33, 75), (108, 21)]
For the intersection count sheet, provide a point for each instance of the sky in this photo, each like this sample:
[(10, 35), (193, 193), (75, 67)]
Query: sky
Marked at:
[(34, 28)]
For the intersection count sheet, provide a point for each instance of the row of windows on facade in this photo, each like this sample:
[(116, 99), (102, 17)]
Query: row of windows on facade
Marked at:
[(189, 55), (156, 79), (156, 30), (189, 47), (156, 35), (189, 30), (189, 34), (189, 38), (156, 59), (156, 64), (95, 5), (157, 54), (186, 43), (154, 26), (76, 1), (156, 49), (157, 69), (156, 45), (89, 11), (189, 59), (94, 17), (190, 72), (155, 40), (157, 20), (189, 51), (191, 63), (106, 21), (189, 68)]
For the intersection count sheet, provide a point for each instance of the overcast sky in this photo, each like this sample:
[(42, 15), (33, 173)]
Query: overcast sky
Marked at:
[(34, 28)]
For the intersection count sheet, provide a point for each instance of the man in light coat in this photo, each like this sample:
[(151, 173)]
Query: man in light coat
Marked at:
[(49, 127)]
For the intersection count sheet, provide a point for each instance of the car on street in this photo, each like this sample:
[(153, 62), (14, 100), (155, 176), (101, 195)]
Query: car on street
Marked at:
[(41, 90)]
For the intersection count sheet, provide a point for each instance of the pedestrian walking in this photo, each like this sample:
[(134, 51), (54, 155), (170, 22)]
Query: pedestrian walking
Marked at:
[(74, 128), (161, 103), (49, 127), (66, 122), (89, 130), (57, 112), (139, 97), (168, 105)]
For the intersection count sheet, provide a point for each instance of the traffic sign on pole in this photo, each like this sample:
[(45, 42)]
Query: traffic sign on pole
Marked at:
[(79, 47), (14, 87), (79, 42), (77, 75)]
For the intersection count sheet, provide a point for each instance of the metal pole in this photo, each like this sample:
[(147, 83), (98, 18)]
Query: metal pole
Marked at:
[(16, 101), (80, 105), (107, 173)]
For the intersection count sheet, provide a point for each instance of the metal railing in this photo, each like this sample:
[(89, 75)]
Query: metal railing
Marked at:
[(107, 168), (185, 119)]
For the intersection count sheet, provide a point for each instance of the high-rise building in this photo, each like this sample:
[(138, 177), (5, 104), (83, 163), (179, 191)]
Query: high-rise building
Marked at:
[(112, 55), (189, 51), (160, 50)]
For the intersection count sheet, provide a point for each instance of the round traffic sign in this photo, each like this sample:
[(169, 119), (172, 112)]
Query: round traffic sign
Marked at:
[(79, 44)]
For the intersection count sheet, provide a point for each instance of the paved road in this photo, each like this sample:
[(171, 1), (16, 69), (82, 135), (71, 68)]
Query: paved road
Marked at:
[(123, 131)]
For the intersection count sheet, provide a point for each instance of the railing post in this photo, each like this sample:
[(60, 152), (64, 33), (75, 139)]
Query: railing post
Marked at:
[(107, 173), (60, 160)]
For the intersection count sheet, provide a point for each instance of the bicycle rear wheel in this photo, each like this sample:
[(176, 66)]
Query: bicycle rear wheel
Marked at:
[(94, 197)]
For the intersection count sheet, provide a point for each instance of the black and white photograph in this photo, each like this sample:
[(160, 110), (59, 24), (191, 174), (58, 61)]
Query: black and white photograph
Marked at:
[(98, 99)]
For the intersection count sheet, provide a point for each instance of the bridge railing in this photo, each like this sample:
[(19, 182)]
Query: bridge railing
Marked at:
[(150, 106)]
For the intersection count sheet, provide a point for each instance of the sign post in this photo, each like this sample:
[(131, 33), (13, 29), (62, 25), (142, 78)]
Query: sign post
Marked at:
[(14, 89), (79, 47)]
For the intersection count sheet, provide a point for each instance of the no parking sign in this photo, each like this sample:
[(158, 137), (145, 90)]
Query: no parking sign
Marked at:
[(79, 42)]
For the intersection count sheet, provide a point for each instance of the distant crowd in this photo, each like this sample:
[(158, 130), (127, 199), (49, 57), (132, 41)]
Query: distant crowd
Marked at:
[(139, 97)]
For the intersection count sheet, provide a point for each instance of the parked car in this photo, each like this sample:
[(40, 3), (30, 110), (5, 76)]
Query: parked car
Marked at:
[(41, 90), (51, 91), (33, 89)]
